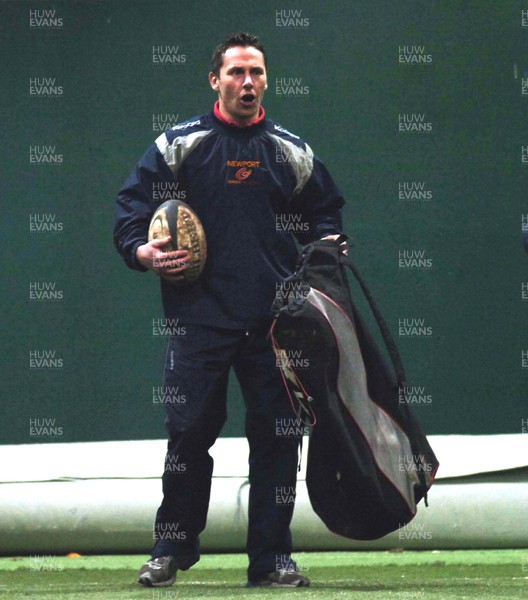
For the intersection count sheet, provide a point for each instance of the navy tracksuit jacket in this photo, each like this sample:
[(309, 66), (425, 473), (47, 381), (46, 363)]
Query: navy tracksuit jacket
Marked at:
[(255, 190)]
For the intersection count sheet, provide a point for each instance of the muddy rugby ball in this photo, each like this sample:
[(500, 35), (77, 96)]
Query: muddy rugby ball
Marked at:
[(178, 219)]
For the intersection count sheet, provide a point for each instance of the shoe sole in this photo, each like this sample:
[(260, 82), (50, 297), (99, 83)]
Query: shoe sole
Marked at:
[(147, 582), (276, 585)]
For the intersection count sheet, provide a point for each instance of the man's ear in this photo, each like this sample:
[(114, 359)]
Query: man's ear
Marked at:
[(213, 80)]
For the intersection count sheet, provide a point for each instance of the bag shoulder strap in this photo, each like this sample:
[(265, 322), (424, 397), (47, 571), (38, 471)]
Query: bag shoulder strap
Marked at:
[(385, 332)]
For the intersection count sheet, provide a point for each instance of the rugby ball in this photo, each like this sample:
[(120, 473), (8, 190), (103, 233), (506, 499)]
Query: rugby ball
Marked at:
[(178, 219)]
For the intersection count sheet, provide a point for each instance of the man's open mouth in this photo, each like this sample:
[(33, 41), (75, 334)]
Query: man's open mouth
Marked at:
[(248, 98)]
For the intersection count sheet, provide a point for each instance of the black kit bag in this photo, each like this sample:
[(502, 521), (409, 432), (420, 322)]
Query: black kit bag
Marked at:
[(369, 463)]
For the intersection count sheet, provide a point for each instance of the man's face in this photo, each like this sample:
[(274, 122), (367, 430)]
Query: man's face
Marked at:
[(241, 84)]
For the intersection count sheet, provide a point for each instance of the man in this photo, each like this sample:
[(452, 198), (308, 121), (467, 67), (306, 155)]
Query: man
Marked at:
[(248, 179)]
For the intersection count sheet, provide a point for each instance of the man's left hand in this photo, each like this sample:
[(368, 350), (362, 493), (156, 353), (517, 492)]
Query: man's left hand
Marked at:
[(343, 246)]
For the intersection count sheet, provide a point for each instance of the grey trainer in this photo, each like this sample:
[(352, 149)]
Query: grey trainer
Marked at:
[(282, 578), (158, 572)]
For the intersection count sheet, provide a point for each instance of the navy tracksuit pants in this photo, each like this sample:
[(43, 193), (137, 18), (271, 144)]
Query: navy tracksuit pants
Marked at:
[(197, 366)]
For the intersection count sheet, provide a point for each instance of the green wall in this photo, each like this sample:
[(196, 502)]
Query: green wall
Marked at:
[(104, 91)]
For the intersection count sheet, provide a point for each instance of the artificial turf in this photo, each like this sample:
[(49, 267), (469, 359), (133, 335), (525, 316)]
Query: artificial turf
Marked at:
[(439, 575)]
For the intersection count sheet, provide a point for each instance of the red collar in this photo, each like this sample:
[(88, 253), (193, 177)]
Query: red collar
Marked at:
[(220, 116)]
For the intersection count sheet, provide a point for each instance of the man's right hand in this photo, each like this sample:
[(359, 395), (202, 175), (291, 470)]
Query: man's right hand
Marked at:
[(168, 264)]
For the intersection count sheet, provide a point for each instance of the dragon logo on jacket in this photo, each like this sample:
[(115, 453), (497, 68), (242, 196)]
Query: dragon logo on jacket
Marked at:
[(243, 173), (244, 170)]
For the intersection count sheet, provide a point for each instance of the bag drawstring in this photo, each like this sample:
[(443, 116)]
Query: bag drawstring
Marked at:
[(289, 375)]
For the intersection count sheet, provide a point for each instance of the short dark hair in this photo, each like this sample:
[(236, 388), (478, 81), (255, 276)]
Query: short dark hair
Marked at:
[(235, 39)]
